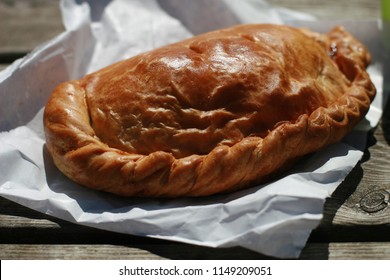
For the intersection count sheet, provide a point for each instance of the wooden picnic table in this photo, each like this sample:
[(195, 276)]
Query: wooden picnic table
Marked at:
[(347, 231)]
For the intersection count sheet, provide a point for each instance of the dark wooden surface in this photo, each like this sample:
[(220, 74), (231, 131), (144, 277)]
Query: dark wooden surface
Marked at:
[(349, 230)]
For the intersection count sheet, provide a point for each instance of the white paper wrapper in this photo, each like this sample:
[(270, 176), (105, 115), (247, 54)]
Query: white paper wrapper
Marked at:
[(274, 219)]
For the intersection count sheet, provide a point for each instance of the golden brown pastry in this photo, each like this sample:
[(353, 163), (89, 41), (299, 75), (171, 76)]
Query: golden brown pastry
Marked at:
[(215, 113)]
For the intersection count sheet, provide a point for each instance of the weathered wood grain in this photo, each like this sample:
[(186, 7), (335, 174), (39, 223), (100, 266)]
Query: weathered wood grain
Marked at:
[(331, 251), (26, 24), (334, 9), (347, 251), (346, 217), (72, 252), (369, 179), (107, 251), (346, 232)]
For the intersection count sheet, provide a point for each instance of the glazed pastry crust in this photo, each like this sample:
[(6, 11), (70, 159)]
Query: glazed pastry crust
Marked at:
[(215, 113)]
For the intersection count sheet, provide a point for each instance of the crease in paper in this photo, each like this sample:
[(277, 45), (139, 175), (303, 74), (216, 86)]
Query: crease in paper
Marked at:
[(274, 219)]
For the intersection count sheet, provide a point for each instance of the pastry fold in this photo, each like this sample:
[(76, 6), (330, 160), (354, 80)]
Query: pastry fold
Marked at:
[(215, 113)]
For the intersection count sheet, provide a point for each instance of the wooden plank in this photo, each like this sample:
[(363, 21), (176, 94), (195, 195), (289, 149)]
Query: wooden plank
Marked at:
[(347, 231), (359, 208), (11, 221), (27, 24), (71, 252), (108, 251), (331, 251), (364, 197), (347, 251), (334, 9)]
